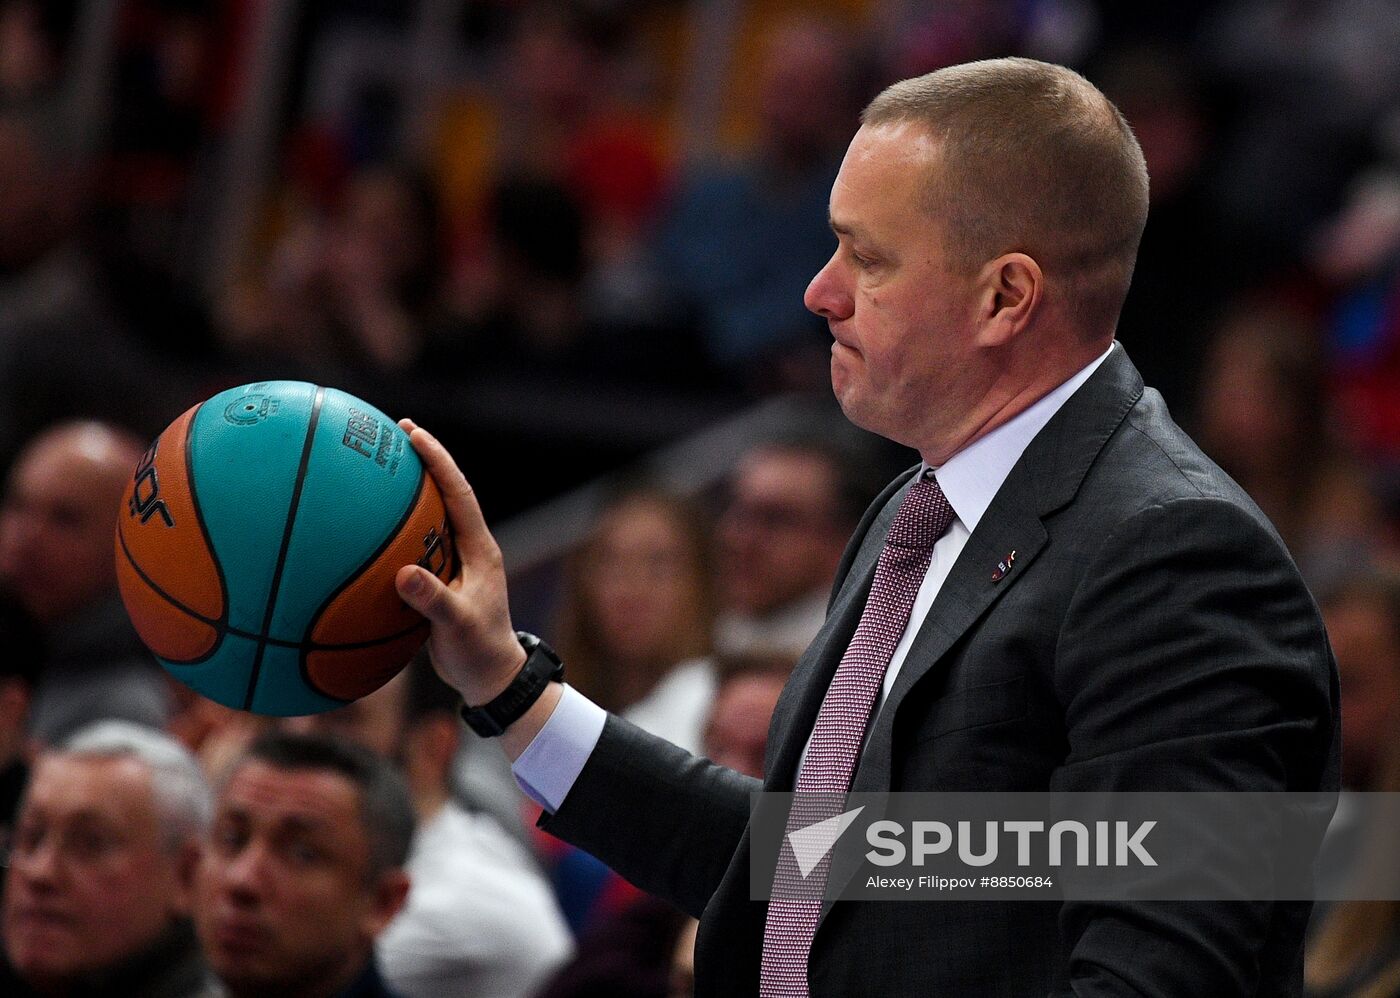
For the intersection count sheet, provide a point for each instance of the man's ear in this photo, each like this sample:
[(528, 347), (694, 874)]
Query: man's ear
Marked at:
[(1012, 286), (390, 895)]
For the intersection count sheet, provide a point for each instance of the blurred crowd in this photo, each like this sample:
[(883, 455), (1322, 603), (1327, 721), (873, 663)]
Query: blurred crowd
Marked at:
[(563, 235)]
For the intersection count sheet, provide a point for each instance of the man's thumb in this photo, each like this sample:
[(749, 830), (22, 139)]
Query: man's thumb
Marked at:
[(419, 589)]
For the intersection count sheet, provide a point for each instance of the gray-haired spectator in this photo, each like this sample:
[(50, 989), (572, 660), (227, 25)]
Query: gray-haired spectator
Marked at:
[(99, 885)]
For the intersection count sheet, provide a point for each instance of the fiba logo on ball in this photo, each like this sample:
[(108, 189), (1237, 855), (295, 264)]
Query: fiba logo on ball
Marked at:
[(256, 549)]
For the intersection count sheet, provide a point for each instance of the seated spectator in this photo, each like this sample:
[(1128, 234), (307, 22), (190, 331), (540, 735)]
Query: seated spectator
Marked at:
[(304, 868), (792, 505), (346, 296), (1357, 254), (736, 732), (98, 890), (480, 918), (1363, 624), (34, 37), (91, 325), (635, 625), (56, 526), (1264, 418), (217, 735)]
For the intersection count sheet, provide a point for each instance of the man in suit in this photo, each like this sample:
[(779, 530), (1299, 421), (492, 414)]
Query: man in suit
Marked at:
[(1094, 606)]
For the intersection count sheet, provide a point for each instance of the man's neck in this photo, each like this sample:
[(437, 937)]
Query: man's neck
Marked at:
[(1007, 400), (428, 802), (346, 979)]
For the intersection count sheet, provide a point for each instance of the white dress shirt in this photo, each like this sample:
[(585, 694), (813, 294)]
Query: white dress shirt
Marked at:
[(481, 919), (547, 769), (679, 705)]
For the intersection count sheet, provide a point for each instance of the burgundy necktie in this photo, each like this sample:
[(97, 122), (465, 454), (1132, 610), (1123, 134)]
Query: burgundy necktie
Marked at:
[(830, 763)]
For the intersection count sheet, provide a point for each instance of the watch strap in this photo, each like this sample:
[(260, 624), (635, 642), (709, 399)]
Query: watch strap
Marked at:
[(542, 666)]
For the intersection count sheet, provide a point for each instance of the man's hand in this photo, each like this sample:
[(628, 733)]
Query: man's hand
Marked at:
[(472, 644)]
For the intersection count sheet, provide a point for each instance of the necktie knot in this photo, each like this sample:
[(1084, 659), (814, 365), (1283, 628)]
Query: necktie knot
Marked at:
[(923, 516)]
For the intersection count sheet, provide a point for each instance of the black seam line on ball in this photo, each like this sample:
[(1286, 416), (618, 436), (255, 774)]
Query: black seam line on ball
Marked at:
[(219, 626), (222, 627), (222, 622), (307, 647), (286, 543)]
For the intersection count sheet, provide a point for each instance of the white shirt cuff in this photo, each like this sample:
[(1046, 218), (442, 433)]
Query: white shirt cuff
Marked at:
[(550, 764)]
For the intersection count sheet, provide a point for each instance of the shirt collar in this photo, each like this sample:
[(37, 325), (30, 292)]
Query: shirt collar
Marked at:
[(971, 477)]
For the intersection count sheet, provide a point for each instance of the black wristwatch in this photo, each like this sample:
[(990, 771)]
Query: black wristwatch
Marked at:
[(541, 666)]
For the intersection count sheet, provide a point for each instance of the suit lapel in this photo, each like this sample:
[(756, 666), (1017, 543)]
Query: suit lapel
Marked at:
[(964, 597)]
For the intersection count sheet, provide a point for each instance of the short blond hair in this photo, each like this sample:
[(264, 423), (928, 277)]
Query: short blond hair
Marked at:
[(1033, 159)]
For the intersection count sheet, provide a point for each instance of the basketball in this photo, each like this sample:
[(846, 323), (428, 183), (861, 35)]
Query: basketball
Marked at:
[(257, 547)]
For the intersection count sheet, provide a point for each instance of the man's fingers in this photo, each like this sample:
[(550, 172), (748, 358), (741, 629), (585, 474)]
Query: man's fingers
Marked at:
[(468, 525)]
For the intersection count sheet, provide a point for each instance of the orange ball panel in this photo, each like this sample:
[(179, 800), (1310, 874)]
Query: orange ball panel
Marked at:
[(159, 527), (167, 630), (369, 608), (350, 673)]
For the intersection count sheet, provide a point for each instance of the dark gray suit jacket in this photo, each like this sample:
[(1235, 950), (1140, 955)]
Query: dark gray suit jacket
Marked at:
[(1153, 634)]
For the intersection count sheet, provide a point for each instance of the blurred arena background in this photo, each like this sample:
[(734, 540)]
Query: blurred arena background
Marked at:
[(568, 236)]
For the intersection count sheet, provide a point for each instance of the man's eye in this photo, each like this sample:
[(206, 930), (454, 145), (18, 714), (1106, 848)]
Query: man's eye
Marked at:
[(92, 844), (26, 839), (228, 838), (303, 853)]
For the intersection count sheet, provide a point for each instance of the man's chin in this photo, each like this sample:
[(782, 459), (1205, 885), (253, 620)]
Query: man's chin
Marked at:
[(850, 401), (241, 980)]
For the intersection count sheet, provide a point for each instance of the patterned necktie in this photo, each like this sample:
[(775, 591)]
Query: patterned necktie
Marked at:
[(826, 772)]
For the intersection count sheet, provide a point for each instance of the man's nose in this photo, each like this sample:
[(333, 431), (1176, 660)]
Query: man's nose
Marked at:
[(37, 868), (245, 874), (826, 295)]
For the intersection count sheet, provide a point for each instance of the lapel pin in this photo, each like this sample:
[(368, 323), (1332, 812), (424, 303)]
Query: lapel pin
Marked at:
[(1003, 567)]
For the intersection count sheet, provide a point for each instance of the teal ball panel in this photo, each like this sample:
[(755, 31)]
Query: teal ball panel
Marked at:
[(361, 478), (244, 451)]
